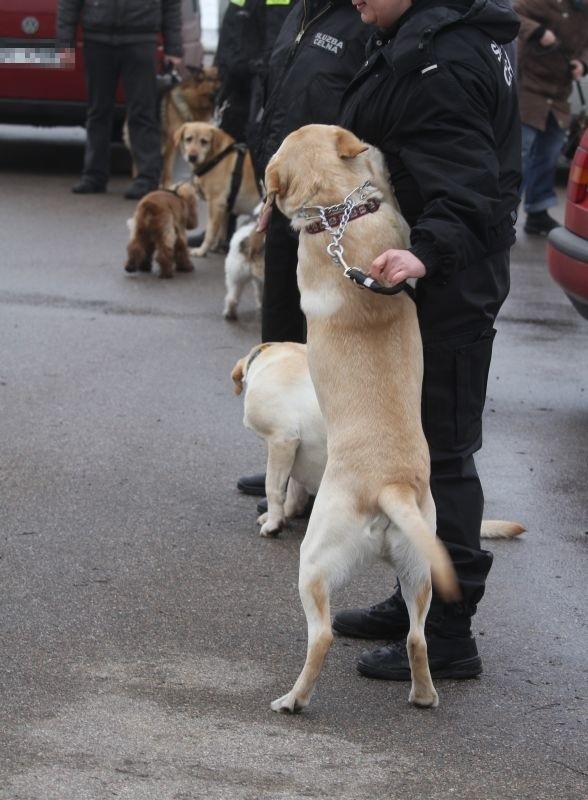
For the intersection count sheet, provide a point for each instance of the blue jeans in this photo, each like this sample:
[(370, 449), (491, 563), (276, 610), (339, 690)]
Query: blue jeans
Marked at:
[(541, 151)]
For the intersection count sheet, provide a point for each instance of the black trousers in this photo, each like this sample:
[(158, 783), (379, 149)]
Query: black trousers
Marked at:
[(136, 66), (456, 322), (281, 317)]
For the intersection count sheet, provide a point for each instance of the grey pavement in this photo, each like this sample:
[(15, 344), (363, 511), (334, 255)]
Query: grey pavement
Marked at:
[(145, 626)]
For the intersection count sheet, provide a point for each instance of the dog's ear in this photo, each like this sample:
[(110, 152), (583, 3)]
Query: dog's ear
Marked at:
[(178, 136), (237, 375), (348, 145)]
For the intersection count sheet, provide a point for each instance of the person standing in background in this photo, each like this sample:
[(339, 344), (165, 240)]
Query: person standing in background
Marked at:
[(120, 43), (552, 52)]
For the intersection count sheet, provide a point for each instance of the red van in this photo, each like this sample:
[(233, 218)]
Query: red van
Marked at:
[(33, 88)]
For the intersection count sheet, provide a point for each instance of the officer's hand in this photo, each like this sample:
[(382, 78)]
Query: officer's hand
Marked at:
[(396, 266)]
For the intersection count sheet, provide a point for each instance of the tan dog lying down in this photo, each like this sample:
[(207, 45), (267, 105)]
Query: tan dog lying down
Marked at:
[(200, 143), (365, 359), (282, 408), (159, 227)]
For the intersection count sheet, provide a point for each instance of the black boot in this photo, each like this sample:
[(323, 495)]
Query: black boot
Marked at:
[(451, 648), (252, 484), (386, 620), (448, 658), (539, 223)]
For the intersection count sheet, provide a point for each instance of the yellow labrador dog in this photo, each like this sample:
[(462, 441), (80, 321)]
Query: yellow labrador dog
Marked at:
[(281, 407), (365, 359), (224, 176)]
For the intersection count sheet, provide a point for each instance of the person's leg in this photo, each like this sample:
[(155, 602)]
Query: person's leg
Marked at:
[(281, 317), (541, 150), (102, 72), (139, 77), (454, 389)]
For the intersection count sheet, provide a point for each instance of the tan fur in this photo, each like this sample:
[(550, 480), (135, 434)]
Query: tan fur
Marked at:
[(283, 400), (159, 227), (198, 143), (365, 360), (196, 94)]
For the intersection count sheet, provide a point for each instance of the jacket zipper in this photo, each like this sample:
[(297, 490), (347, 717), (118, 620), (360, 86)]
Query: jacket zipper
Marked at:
[(305, 26)]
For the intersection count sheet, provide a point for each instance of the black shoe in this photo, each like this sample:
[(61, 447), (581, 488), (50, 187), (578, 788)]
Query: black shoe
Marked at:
[(252, 484), (262, 507), (88, 187), (448, 658), (540, 223), (139, 189), (195, 240), (386, 620)]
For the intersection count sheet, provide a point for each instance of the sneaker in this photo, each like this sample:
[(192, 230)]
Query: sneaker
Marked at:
[(88, 187), (386, 620), (252, 484), (539, 223), (139, 189), (448, 658)]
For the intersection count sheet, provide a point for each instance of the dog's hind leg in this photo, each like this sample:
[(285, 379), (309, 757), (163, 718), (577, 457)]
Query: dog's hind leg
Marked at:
[(138, 256), (280, 460), (296, 499), (329, 549), (182, 254), (414, 573)]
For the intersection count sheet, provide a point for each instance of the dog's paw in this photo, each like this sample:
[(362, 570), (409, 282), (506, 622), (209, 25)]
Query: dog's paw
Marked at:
[(288, 704), (269, 528), (199, 252), (230, 312), (424, 699)]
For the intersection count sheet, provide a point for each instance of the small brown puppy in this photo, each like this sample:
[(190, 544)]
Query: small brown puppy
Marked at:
[(159, 226), (217, 161)]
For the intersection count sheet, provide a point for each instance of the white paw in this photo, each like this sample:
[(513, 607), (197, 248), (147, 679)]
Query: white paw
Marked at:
[(271, 527), (200, 252), (288, 704), (424, 699), (230, 312)]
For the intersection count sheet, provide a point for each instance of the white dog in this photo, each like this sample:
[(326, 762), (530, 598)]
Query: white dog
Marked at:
[(244, 264)]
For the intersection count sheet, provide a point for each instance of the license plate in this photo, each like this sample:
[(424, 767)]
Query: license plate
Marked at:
[(30, 57)]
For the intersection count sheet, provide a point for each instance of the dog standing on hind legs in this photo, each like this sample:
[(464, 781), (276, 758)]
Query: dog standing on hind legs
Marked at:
[(366, 362)]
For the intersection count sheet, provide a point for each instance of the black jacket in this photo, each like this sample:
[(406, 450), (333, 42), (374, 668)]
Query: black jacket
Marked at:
[(316, 54), (437, 96), (121, 22)]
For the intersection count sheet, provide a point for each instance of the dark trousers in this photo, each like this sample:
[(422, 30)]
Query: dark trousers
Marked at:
[(456, 322), (281, 317), (136, 66)]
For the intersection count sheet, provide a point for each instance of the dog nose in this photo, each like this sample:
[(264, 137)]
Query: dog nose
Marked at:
[(192, 159)]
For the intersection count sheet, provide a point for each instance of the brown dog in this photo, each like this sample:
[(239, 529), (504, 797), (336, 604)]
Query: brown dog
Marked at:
[(159, 226), (191, 100), (223, 174), (366, 363)]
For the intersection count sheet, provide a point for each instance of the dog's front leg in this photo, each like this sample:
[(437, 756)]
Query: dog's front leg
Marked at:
[(216, 216), (280, 460)]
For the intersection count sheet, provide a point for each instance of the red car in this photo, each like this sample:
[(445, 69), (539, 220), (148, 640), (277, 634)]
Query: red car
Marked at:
[(567, 247), (34, 90)]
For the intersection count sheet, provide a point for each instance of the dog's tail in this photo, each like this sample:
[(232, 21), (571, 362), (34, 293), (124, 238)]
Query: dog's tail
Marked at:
[(398, 501), (501, 529)]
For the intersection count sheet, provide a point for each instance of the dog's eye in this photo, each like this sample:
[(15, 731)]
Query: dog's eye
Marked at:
[(188, 139), (203, 142)]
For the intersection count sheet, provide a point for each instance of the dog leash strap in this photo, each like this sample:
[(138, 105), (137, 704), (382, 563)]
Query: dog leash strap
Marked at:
[(208, 165), (361, 279)]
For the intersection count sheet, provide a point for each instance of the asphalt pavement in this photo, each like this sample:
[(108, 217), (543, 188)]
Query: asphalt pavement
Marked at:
[(145, 626)]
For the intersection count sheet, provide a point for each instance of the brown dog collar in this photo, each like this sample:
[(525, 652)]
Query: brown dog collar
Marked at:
[(334, 217)]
